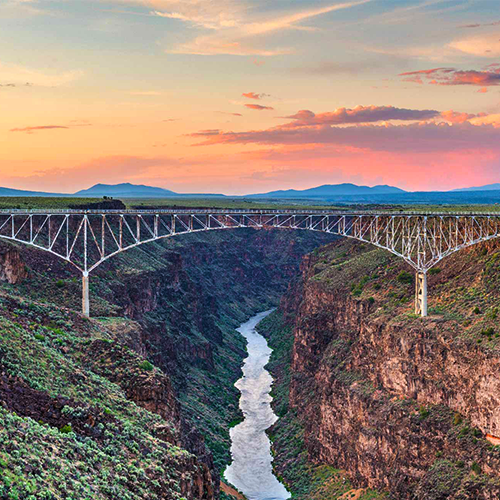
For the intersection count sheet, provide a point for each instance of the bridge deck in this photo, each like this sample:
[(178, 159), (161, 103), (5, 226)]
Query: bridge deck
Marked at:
[(187, 211)]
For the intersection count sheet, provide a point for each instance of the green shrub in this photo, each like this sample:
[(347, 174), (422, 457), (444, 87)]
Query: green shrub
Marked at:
[(477, 433), (493, 313), (476, 310), (433, 271), (475, 468), (371, 300), (405, 277), (60, 284), (39, 336), (66, 429), (488, 332), (146, 365), (423, 412)]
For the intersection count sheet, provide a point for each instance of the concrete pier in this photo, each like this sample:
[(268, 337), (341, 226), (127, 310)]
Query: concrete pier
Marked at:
[(421, 294), (85, 294)]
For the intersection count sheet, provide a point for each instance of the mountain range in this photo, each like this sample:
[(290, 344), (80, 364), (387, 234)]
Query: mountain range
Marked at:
[(340, 193), (328, 190)]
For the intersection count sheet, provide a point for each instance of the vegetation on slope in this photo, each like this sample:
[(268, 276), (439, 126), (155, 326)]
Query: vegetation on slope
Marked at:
[(69, 432)]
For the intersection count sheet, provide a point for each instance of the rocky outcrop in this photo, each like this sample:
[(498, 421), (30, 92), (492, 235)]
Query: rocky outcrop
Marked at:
[(12, 267), (399, 403)]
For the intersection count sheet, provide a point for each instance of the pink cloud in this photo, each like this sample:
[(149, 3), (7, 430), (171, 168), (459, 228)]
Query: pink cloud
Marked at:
[(30, 130), (412, 138), (359, 114), (455, 117), (451, 76), (254, 95), (258, 107)]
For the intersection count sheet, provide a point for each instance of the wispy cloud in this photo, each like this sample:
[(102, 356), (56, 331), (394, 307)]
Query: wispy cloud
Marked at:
[(30, 130), (238, 30), (452, 76), (479, 25), (259, 107), (16, 8), (254, 95), (487, 45), (20, 75)]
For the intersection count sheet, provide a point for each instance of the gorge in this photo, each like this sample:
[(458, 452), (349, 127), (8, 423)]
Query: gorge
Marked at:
[(251, 467), (138, 402)]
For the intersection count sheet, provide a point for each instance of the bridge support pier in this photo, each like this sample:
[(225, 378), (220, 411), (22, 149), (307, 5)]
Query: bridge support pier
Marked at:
[(421, 294), (85, 294)]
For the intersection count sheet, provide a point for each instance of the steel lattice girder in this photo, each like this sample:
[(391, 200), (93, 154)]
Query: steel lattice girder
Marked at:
[(88, 238)]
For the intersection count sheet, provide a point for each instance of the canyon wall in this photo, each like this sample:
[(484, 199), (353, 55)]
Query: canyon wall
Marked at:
[(406, 405)]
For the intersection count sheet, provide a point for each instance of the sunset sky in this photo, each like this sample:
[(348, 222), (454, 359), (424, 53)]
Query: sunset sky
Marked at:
[(241, 96)]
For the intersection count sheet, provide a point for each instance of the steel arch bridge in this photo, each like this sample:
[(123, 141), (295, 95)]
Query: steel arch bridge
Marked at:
[(87, 238)]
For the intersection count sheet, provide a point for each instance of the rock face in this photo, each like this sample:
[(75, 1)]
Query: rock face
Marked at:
[(399, 403), (12, 267)]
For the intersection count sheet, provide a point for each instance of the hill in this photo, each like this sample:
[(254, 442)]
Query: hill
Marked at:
[(487, 187), (126, 190), (331, 190), (21, 192)]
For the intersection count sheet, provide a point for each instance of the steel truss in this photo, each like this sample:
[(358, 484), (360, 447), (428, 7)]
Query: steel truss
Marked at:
[(88, 238)]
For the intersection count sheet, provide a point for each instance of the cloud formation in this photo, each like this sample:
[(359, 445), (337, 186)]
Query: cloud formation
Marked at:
[(254, 95), (30, 130), (359, 114), (258, 107), (479, 25), (405, 139), (237, 29), (452, 76), (23, 76)]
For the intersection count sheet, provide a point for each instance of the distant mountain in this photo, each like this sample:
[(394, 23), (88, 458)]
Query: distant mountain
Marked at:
[(487, 187), (331, 191), (126, 190), (21, 192)]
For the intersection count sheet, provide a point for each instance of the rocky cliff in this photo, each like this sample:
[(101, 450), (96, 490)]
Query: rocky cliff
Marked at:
[(164, 340), (402, 404)]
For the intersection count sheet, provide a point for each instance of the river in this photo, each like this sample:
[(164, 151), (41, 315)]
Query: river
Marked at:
[(251, 470)]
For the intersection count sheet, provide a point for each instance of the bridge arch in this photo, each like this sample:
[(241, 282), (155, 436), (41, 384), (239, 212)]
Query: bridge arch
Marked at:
[(87, 238)]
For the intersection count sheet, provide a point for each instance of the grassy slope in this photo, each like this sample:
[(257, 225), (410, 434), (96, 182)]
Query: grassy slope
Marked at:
[(116, 451)]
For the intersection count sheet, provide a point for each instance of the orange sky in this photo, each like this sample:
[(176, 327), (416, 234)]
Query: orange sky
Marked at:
[(240, 96)]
